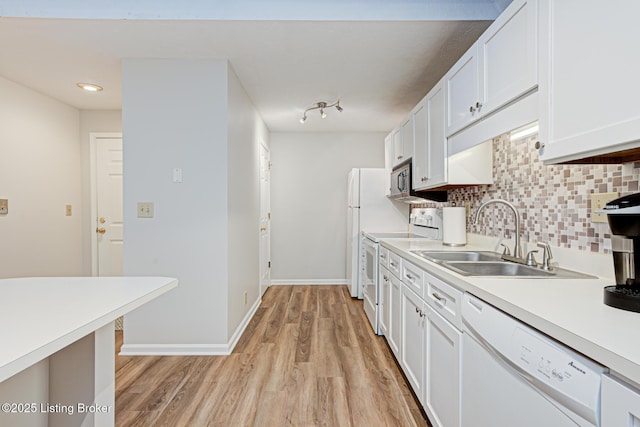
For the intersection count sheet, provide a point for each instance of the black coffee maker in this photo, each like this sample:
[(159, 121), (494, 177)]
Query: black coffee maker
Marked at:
[(624, 220)]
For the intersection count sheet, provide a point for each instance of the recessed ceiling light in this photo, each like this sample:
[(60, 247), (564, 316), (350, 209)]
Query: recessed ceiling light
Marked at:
[(89, 87)]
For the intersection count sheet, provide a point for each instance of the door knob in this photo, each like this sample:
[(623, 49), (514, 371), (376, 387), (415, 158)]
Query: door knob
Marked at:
[(263, 228), (102, 220), (101, 230)]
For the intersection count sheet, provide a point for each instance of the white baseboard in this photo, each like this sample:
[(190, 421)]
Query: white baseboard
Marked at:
[(309, 282), (174, 350), (243, 325), (191, 349)]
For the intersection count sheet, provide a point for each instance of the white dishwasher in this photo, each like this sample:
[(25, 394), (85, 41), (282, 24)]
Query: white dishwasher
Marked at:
[(513, 375)]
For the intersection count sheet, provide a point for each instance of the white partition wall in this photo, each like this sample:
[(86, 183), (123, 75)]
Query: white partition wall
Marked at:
[(191, 115)]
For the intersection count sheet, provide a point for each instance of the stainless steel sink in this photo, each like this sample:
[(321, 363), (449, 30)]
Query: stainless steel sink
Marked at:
[(490, 264), (447, 256), (496, 268), (510, 269)]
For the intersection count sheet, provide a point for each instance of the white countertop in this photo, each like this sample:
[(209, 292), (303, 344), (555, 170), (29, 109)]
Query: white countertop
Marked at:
[(40, 316), (570, 310)]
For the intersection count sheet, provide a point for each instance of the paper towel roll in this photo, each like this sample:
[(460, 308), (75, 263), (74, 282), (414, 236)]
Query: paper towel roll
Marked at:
[(454, 226)]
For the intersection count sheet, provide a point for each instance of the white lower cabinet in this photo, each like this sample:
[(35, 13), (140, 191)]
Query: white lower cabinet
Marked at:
[(620, 404), (385, 298), (395, 315), (413, 339), (442, 376), (423, 333)]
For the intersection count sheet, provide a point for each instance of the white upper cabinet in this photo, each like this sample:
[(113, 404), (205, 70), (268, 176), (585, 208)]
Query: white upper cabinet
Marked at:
[(462, 92), (388, 161), (591, 82), (508, 56), (407, 138), (398, 154), (430, 143), (500, 67)]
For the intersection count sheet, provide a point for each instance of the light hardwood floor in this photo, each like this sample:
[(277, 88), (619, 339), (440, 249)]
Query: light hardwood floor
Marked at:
[(307, 358)]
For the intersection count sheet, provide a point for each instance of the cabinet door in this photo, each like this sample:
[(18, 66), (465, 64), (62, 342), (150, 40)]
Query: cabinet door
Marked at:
[(394, 326), (437, 141), (508, 55), (407, 138), (420, 161), (589, 91), (461, 89), (442, 377), (413, 338), (385, 299), (398, 156), (620, 404), (388, 162)]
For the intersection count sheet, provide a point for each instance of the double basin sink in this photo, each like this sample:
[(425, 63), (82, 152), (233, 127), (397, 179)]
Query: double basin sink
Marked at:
[(478, 263)]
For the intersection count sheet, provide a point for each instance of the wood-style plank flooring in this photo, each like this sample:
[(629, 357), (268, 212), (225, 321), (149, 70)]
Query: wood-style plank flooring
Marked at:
[(307, 358)]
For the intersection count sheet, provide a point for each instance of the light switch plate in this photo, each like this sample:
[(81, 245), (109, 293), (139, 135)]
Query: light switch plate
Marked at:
[(145, 209), (68, 210), (4, 206), (177, 175), (598, 201)]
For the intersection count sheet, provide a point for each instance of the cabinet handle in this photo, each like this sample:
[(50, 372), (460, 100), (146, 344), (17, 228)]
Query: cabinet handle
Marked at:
[(399, 157), (393, 264), (436, 296), (478, 105), (385, 278), (421, 313), (423, 179), (471, 109), (408, 276), (539, 145)]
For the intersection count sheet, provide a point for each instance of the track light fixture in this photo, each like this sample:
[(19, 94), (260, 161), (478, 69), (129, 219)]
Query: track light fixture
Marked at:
[(322, 106)]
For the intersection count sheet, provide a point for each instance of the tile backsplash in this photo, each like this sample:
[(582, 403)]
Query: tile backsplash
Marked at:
[(554, 201)]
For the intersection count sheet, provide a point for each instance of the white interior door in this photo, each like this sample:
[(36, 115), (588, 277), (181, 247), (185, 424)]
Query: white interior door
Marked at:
[(265, 219), (108, 173)]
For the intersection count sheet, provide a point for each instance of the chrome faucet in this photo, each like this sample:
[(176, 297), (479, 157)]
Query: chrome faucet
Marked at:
[(517, 250)]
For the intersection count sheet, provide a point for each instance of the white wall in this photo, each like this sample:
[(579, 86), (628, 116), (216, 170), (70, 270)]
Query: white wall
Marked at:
[(309, 201), (174, 114), (246, 131), (39, 174), (92, 121)]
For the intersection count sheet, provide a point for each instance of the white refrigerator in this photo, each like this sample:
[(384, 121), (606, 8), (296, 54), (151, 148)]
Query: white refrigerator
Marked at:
[(369, 209)]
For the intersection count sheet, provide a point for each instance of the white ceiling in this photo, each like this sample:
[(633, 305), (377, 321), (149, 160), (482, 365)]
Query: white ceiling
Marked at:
[(378, 69)]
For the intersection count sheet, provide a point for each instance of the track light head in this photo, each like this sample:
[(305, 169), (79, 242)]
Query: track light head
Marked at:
[(303, 118), (339, 108), (322, 113)]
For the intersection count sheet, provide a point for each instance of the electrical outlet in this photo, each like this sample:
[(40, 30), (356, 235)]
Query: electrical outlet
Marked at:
[(145, 209), (246, 298), (598, 201), (4, 206), (467, 208)]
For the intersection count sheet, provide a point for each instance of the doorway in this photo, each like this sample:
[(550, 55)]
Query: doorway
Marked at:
[(106, 206), (265, 218)]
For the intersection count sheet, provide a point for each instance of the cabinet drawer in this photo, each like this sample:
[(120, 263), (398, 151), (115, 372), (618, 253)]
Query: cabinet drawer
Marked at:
[(444, 299), (395, 265), (384, 257), (412, 277)]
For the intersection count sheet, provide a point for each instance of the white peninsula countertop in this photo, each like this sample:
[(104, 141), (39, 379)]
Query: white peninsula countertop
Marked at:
[(57, 357), (570, 310), (42, 315)]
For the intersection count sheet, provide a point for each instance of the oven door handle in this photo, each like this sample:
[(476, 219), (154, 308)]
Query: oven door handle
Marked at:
[(559, 400)]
